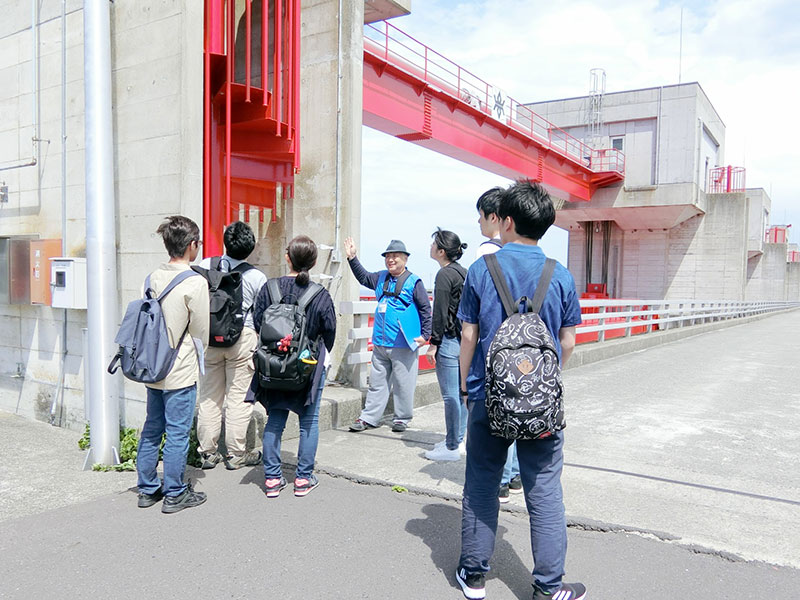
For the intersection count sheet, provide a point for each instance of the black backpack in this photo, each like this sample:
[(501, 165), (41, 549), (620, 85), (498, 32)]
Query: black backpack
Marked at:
[(286, 357), (524, 393), (225, 291)]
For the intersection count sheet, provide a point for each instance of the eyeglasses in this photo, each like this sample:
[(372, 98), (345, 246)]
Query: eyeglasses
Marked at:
[(198, 242)]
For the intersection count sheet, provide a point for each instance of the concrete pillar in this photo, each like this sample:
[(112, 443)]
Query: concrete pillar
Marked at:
[(328, 187)]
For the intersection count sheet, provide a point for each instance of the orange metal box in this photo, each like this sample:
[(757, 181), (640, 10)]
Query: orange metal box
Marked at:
[(41, 253)]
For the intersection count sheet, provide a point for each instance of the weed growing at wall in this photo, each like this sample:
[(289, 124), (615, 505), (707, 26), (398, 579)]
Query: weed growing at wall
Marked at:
[(129, 444)]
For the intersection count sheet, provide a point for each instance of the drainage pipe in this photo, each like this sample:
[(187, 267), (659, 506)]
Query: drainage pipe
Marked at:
[(101, 260)]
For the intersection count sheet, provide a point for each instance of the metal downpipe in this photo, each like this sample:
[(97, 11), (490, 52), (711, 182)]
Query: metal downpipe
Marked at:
[(101, 257)]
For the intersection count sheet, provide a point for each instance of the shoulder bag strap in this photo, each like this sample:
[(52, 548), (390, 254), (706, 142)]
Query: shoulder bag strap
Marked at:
[(274, 291), (544, 283), (175, 281), (500, 284), (307, 296)]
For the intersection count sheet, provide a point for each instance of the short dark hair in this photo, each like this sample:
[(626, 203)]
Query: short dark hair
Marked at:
[(178, 232), (302, 253), (490, 201), (450, 243), (239, 240), (529, 204)]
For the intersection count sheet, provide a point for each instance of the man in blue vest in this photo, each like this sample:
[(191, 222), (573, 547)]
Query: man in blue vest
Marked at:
[(402, 324)]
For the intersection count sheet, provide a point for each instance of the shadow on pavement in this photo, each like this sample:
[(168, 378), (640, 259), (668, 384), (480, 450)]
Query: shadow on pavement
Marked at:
[(441, 532)]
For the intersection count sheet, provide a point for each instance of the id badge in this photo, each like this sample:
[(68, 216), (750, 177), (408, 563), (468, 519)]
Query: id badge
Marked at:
[(382, 306)]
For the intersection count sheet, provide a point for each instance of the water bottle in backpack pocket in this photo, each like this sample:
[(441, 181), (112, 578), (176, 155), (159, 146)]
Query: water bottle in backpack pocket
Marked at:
[(286, 356)]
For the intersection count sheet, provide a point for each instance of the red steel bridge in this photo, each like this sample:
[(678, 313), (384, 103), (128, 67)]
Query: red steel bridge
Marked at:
[(251, 114)]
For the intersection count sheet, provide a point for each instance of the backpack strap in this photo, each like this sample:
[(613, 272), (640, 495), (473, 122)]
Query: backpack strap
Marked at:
[(274, 291), (216, 261), (307, 296), (149, 292), (398, 286), (493, 242), (175, 281), (242, 267), (543, 285), (500, 284)]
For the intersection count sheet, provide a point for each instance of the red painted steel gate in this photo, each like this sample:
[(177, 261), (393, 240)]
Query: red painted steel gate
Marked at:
[(251, 110)]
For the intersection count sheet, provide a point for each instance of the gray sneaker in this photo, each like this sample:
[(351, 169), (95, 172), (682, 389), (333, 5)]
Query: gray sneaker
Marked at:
[(248, 459), (188, 499), (209, 460)]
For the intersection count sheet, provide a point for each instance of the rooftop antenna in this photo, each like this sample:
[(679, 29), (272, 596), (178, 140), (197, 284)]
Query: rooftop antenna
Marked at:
[(680, 49), (594, 112)]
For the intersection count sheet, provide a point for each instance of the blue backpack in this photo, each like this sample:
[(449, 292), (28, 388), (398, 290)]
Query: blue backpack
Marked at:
[(144, 351)]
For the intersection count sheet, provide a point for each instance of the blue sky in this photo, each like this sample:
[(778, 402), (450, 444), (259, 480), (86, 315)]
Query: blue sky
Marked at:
[(745, 54)]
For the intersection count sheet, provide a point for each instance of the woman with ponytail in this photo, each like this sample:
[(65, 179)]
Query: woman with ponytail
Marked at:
[(445, 342), (301, 256)]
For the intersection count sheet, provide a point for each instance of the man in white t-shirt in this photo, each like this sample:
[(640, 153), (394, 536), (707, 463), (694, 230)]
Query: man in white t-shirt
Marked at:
[(489, 221), (229, 370)]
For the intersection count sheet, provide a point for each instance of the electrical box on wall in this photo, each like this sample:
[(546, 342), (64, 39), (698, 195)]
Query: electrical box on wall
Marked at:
[(68, 282), (41, 251)]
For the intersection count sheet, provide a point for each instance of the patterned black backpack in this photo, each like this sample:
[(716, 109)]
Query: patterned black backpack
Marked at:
[(524, 394)]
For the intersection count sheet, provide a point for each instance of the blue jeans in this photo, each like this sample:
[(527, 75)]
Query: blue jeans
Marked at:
[(540, 464), (511, 468), (309, 437), (170, 412), (455, 412)]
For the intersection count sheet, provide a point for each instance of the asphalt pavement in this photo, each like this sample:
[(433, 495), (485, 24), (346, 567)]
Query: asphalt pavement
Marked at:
[(680, 480)]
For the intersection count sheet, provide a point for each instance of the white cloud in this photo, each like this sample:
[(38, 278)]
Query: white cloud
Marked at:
[(745, 55)]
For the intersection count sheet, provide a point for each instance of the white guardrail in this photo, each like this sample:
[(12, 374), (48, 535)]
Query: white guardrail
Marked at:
[(602, 320)]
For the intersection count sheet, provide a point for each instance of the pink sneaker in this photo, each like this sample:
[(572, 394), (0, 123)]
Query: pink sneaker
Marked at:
[(274, 487), (303, 486)]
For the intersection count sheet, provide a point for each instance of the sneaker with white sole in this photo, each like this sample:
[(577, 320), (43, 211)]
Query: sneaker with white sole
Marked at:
[(567, 591), (442, 454), (273, 486), (303, 485), (472, 584), (209, 460)]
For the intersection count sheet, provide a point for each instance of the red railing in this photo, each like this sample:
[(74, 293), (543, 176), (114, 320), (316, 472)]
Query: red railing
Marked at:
[(394, 46), (777, 234), (724, 180), (251, 120)]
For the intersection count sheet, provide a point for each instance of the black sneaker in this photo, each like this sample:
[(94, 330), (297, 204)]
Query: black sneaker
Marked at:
[(148, 500), (472, 584), (567, 591), (188, 499), (360, 425), (515, 485), (399, 426), (503, 493)]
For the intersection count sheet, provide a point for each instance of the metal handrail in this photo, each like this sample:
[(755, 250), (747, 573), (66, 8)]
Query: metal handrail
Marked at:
[(612, 316), (398, 48)]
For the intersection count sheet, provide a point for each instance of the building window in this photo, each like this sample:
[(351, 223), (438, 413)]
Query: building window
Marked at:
[(616, 143)]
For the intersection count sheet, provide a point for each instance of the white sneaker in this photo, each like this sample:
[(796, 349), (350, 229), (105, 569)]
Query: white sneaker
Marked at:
[(462, 447), (442, 453), (441, 444)]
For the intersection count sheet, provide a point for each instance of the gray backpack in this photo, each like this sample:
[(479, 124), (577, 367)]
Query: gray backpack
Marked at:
[(524, 393), (144, 351)]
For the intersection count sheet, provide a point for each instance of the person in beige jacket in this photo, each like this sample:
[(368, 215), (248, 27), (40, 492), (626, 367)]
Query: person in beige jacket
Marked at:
[(171, 401)]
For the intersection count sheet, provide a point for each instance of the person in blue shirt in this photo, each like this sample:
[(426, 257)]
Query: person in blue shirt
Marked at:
[(402, 303), (526, 212)]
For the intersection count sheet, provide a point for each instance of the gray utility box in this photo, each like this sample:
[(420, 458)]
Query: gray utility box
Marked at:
[(15, 270)]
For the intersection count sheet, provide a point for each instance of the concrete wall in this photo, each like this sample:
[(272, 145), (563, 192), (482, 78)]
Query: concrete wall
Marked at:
[(157, 82), (793, 282), (767, 274), (328, 187), (758, 216)]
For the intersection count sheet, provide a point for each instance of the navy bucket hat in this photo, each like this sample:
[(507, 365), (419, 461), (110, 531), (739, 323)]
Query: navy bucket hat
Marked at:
[(396, 246)]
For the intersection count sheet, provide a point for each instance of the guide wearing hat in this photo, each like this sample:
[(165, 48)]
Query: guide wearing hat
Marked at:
[(403, 310)]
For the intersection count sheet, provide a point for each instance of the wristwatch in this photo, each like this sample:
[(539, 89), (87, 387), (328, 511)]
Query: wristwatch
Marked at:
[(463, 393)]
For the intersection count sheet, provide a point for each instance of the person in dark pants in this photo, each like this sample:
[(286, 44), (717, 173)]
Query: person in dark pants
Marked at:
[(526, 212), (443, 351), (301, 255)]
